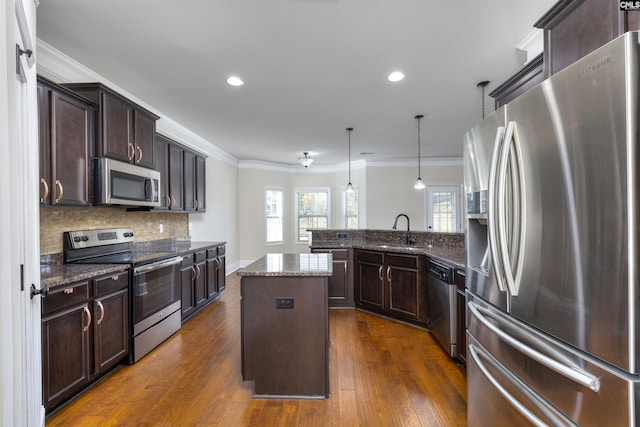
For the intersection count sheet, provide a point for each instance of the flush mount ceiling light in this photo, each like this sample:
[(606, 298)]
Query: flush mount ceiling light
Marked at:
[(419, 185), (306, 160), (234, 81), (396, 76), (349, 185)]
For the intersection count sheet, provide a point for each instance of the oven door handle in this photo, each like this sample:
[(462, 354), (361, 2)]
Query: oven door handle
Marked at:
[(156, 265)]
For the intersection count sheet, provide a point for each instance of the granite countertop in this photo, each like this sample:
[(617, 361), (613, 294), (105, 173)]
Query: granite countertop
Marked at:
[(60, 275), (305, 265), (57, 274), (451, 255)]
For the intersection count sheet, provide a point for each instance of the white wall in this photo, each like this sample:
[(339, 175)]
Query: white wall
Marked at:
[(390, 191), (385, 190)]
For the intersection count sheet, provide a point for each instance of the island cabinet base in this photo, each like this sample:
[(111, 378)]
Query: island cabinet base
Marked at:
[(285, 336)]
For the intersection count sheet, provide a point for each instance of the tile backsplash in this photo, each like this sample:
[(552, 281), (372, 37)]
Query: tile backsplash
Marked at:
[(145, 225)]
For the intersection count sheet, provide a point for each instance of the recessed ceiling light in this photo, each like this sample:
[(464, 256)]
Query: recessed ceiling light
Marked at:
[(396, 76), (235, 81)]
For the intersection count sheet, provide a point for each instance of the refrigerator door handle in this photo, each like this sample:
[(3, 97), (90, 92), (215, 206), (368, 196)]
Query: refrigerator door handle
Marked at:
[(511, 140), (572, 373), (492, 219), (555, 417)]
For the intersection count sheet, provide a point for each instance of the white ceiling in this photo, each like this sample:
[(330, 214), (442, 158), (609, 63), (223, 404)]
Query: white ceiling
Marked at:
[(311, 68)]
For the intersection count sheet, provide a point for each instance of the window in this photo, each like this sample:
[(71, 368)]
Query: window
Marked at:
[(312, 210), (443, 209), (273, 214), (350, 208)]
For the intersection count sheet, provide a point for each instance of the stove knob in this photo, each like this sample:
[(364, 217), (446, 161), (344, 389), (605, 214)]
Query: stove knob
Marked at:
[(77, 239), (85, 238)]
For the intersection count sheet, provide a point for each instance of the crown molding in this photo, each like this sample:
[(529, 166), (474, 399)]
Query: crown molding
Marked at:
[(58, 67), (425, 161)]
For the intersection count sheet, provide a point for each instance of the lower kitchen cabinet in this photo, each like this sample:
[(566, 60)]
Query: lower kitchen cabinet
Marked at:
[(84, 334), (461, 301), (393, 284), (341, 282), (202, 278)]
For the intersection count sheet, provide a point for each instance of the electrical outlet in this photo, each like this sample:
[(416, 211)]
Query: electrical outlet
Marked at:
[(284, 302), (161, 228), (190, 226), (342, 235)]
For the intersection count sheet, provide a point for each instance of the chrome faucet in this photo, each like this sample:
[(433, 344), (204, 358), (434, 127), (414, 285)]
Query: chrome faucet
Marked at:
[(408, 239)]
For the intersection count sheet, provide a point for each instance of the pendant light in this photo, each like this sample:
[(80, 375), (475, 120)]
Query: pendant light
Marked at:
[(349, 185), (482, 85), (419, 185)]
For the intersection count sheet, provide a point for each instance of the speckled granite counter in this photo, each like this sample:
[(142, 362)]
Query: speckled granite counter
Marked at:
[(53, 273), (60, 275), (306, 265), (454, 256)]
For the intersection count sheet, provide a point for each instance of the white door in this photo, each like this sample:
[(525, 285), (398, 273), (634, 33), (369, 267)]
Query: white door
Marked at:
[(20, 358), (443, 209)]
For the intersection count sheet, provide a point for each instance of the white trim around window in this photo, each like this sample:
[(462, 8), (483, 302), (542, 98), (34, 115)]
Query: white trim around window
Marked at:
[(274, 215), (317, 213)]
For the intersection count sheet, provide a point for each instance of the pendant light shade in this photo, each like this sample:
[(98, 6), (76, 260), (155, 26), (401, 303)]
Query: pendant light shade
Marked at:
[(419, 184), (349, 185)]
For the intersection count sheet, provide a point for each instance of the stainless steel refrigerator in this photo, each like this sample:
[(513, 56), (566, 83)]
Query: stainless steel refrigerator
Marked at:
[(553, 298)]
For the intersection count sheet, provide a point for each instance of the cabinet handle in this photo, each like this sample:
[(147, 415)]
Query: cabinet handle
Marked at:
[(60, 192), (197, 272), (44, 198), (131, 151), (101, 313), (139, 150), (193, 273), (195, 203), (86, 310), (345, 268), (114, 278), (168, 199), (389, 274), (173, 201), (380, 273)]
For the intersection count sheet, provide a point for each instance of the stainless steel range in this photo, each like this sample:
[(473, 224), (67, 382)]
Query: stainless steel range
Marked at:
[(154, 282)]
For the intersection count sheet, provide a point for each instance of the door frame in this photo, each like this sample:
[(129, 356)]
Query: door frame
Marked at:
[(20, 367)]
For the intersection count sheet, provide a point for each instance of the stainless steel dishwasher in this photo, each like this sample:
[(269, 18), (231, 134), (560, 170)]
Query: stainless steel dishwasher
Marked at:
[(441, 302)]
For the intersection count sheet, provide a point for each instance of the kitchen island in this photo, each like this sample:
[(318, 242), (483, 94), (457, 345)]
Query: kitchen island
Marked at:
[(285, 325)]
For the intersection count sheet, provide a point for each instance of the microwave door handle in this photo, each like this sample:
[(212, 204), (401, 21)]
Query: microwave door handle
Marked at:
[(148, 189), (492, 220)]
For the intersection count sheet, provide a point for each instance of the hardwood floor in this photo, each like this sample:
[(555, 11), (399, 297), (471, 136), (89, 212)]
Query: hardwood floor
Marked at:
[(382, 373)]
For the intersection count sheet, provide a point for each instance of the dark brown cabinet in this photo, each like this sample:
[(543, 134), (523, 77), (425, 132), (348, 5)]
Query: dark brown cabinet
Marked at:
[(194, 182), (66, 137), (126, 131), (85, 332), (393, 284), (340, 285), (532, 74), (202, 278), (216, 266), (183, 175)]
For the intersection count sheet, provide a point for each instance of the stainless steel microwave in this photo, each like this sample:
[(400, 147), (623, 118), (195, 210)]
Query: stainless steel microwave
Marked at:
[(119, 183)]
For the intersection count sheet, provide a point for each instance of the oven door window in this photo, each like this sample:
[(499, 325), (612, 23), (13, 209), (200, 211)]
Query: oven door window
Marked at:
[(155, 290)]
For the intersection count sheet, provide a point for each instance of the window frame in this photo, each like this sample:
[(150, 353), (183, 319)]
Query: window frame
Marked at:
[(429, 219), (343, 212), (298, 191), (273, 188)]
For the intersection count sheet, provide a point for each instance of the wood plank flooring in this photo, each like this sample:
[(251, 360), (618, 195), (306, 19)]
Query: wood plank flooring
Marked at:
[(382, 373)]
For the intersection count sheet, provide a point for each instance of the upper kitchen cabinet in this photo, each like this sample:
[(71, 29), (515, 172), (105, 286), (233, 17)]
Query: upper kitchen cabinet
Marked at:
[(574, 28), (66, 138), (194, 182), (169, 164), (126, 131)]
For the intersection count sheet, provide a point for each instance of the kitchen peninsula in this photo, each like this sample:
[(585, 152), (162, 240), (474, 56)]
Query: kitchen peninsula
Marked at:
[(285, 325)]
